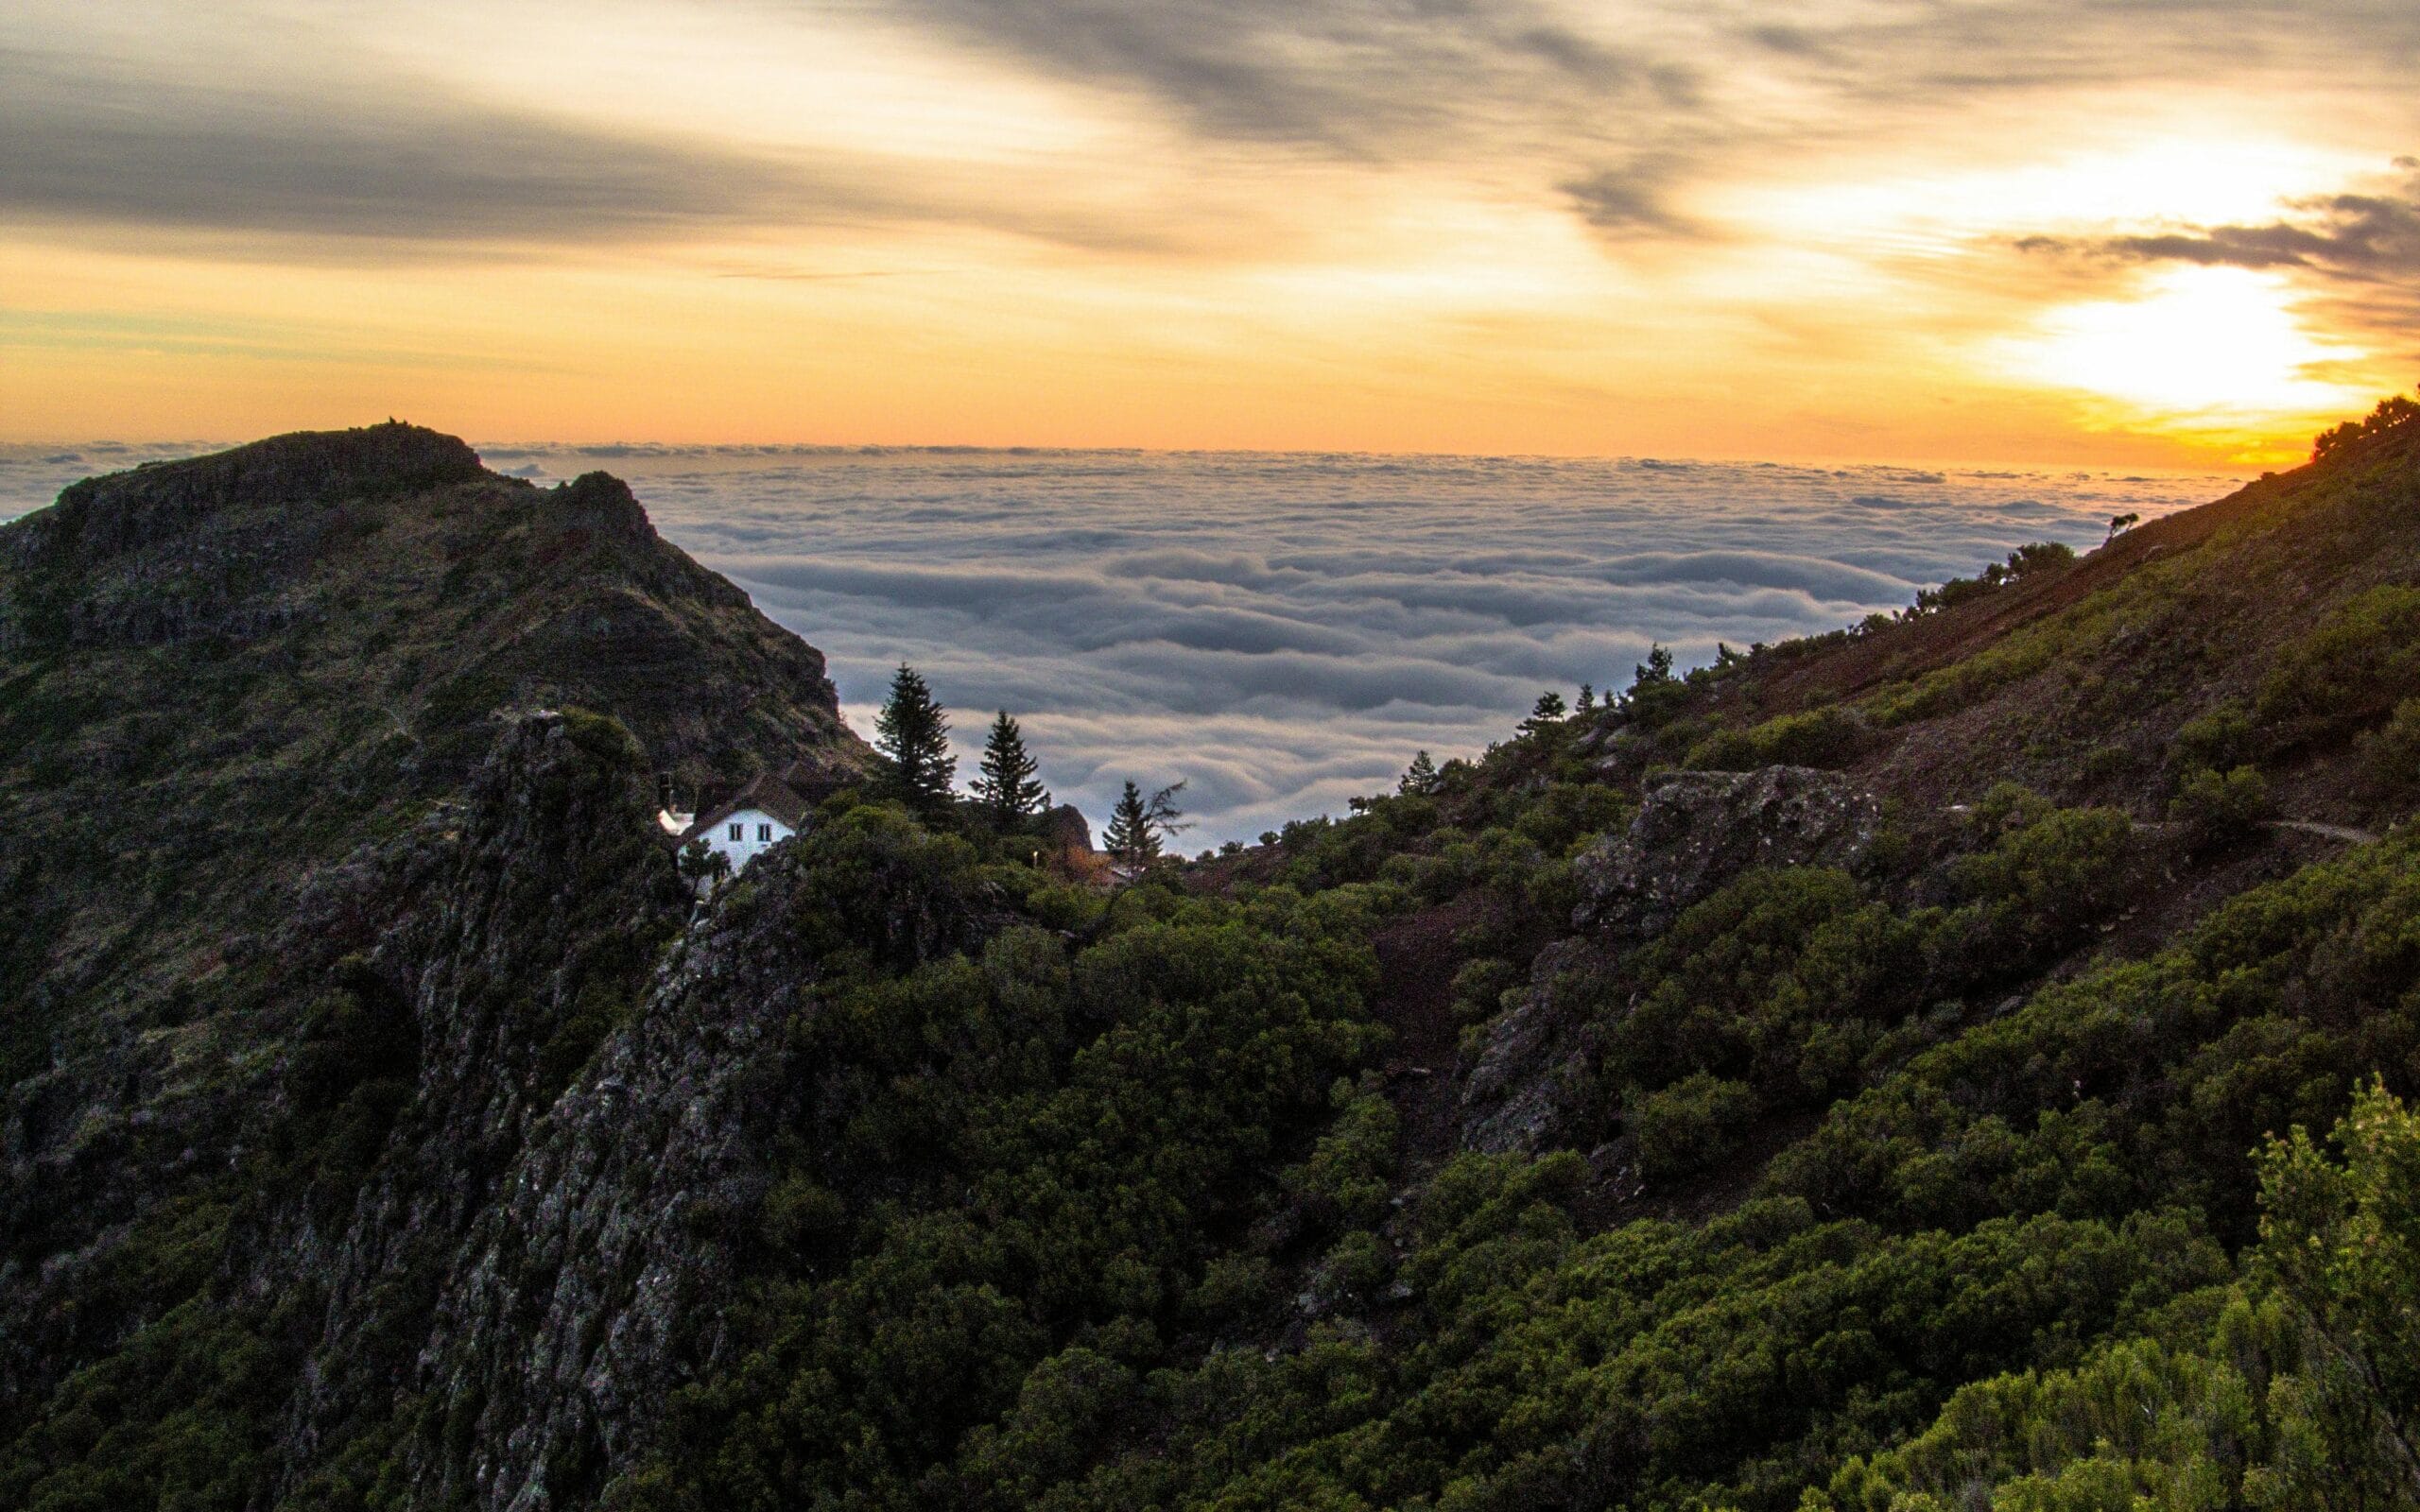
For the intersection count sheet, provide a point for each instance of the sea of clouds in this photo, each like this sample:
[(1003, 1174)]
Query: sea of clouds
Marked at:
[(1283, 631)]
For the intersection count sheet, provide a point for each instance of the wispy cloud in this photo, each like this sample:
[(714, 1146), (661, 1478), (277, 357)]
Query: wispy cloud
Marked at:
[(377, 163), (1465, 223), (1375, 79)]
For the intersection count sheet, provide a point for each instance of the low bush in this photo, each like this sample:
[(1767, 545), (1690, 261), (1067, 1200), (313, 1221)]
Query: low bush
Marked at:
[(2391, 754), (2357, 663), (1689, 1125), (1829, 736), (2221, 738), (2220, 808)]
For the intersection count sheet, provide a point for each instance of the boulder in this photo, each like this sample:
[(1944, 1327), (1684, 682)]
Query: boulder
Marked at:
[(1067, 831), (1696, 830)]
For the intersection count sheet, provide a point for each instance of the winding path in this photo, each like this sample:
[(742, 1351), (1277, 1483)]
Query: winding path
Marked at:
[(2325, 832)]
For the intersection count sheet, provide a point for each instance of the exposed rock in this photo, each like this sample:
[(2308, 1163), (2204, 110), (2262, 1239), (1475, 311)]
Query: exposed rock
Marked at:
[(521, 913), (1066, 830), (596, 1284), (301, 910), (100, 516), (1696, 830), (1515, 1096)]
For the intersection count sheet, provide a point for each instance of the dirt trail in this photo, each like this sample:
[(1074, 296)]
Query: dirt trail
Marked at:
[(1414, 998), (2325, 832)]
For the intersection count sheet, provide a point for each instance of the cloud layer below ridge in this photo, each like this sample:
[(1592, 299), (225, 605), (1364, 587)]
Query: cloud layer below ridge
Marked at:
[(1284, 631)]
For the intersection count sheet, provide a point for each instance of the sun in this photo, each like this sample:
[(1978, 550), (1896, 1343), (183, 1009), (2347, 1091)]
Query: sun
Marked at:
[(2200, 349)]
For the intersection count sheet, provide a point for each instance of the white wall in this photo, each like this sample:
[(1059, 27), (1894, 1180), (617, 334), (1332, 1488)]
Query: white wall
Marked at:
[(753, 824)]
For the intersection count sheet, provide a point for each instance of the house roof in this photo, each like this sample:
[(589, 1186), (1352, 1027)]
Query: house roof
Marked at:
[(765, 793)]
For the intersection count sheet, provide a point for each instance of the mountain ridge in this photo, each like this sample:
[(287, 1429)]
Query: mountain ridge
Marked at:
[(1686, 1102), (229, 686)]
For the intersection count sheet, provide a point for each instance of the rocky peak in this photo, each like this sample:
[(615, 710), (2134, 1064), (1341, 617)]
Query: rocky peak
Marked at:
[(101, 517)]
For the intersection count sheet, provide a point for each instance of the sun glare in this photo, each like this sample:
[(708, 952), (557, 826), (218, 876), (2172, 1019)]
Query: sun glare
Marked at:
[(2201, 344)]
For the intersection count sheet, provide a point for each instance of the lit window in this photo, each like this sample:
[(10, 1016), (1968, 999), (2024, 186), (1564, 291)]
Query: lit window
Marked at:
[(765, 835), (739, 831)]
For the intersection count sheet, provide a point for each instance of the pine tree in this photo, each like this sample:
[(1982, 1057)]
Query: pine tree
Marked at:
[(1138, 824), (1420, 777), (1007, 786), (1546, 716), (913, 733), (1129, 837)]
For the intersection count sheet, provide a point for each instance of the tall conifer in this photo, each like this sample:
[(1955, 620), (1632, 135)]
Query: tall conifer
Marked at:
[(913, 733), (1008, 786), (1130, 836)]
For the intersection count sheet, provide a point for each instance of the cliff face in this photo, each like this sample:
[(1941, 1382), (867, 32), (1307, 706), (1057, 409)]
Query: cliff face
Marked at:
[(520, 927), (597, 1285), (321, 907)]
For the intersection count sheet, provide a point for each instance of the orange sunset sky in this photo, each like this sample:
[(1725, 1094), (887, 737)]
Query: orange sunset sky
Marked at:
[(2159, 232)]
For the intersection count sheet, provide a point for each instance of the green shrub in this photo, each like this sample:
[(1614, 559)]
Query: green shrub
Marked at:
[(1348, 1179), (2051, 872), (1829, 736), (2391, 754), (2359, 660), (1689, 1125), (2294, 1388), (2220, 809), (1479, 988), (2221, 738)]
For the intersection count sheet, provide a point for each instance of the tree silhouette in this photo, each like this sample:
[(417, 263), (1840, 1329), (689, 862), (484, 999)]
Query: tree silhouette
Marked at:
[(1138, 824), (1129, 837), (1008, 786), (1655, 670), (913, 733)]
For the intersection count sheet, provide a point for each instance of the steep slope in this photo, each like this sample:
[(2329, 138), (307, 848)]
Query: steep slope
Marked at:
[(1863, 1045), (210, 663), (1940, 976), (301, 889)]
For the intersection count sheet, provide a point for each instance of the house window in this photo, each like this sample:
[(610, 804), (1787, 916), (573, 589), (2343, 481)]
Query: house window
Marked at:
[(764, 835), (738, 831)]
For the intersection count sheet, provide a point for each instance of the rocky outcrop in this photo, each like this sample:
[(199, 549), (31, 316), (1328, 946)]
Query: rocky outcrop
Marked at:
[(102, 517), (1528, 1072), (546, 1247), (1696, 830), (597, 1285), (526, 915), (1065, 830)]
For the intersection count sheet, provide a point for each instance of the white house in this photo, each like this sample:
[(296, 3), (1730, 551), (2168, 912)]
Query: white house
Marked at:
[(750, 822)]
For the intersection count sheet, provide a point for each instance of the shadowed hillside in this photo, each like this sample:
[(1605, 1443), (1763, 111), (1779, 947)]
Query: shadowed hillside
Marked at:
[(1855, 1075), (233, 691)]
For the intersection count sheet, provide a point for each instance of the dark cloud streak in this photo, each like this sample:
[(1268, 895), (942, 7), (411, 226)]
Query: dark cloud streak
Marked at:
[(389, 162), (1366, 77), (2360, 252)]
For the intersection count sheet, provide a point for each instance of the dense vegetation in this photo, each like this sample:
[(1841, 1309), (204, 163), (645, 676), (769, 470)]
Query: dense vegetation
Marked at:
[(2035, 1148)]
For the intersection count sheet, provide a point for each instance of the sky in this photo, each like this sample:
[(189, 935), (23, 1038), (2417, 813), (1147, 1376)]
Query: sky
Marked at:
[(2157, 232)]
